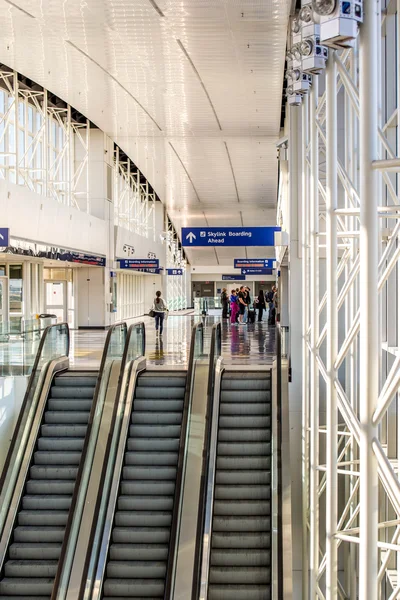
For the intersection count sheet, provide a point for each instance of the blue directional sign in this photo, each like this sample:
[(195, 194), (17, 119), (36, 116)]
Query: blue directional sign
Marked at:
[(4, 237), (174, 271), (253, 263), (228, 236), (233, 278), (139, 263), (256, 271)]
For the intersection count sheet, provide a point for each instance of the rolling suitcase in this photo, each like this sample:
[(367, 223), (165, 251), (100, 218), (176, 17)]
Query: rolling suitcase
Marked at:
[(252, 315)]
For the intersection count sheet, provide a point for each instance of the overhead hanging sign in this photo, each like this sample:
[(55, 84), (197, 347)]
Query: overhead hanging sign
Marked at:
[(253, 263), (233, 278), (228, 236), (256, 271), (4, 237), (139, 263), (174, 271)]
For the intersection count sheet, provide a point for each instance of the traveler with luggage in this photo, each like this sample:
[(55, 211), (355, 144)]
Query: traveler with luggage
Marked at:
[(224, 303), (259, 303)]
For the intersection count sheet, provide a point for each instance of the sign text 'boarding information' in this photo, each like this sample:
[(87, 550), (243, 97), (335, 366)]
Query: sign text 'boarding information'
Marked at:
[(228, 236)]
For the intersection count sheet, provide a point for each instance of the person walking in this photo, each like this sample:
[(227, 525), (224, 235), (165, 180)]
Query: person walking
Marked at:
[(234, 306), (271, 305), (260, 304), (160, 309), (225, 303)]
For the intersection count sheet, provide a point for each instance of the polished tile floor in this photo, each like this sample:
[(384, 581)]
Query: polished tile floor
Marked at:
[(252, 344)]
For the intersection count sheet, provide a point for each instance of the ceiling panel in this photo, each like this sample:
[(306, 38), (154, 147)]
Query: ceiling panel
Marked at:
[(190, 89)]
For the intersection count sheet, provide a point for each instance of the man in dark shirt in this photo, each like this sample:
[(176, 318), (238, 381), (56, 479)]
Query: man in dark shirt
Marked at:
[(242, 304)]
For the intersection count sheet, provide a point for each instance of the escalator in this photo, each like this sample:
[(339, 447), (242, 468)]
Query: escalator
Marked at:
[(32, 557), (237, 563), (140, 538)]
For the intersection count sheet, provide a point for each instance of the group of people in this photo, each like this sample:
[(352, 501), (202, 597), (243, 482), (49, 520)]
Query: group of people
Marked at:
[(239, 305)]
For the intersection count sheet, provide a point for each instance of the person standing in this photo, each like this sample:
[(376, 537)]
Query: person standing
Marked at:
[(271, 305), (224, 302), (242, 304), (160, 309), (234, 306), (260, 304)]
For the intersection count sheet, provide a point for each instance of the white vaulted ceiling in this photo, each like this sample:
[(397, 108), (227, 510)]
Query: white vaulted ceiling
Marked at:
[(190, 89)]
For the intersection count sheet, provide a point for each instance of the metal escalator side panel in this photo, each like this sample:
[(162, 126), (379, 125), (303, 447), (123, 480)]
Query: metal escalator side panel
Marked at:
[(200, 588), (15, 483), (102, 535)]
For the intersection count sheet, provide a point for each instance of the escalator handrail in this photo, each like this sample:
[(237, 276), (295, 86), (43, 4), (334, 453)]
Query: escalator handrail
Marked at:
[(215, 354), (182, 449), (27, 396), (96, 398)]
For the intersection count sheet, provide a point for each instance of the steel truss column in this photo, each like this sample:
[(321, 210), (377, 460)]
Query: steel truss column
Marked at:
[(332, 329), (314, 352), (369, 327)]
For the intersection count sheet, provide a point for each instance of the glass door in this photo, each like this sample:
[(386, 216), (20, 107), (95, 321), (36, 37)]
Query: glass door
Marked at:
[(4, 304), (56, 299)]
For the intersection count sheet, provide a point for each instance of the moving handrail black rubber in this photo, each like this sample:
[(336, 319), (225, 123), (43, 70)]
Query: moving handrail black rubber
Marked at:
[(215, 353), (96, 397), (182, 449), (22, 413)]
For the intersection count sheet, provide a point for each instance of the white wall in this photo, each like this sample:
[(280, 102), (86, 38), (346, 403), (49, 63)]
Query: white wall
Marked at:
[(12, 391), (91, 297)]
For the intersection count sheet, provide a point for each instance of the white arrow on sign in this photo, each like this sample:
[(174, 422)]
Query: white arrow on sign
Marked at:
[(1, 236), (244, 271), (190, 236)]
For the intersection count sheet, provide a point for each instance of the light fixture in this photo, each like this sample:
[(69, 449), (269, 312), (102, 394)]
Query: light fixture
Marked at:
[(296, 26), (306, 14), (307, 47), (324, 7)]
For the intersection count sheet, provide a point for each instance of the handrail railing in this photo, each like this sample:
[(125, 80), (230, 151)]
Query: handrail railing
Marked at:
[(196, 350), (47, 352), (281, 352), (108, 352), (215, 354)]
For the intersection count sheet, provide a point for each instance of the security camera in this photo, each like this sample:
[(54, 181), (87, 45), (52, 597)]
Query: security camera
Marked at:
[(339, 21)]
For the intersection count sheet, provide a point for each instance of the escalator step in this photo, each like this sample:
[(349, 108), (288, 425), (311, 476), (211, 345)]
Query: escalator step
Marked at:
[(36, 586), (243, 477), (247, 463), (246, 408), (150, 488), (70, 391), (153, 444), (159, 405), (243, 421), (149, 473), (149, 380), (56, 458), (242, 492), (244, 435), (68, 417), (39, 518), (242, 397), (239, 575), (143, 503), (244, 524), (241, 540), (142, 518), (240, 558), (243, 448), (245, 385), (58, 431), (76, 381), (241, 507), (156, 418), (59, 444), (31, 568), (239, 592), (157, 431), (134, 588), (69, 404), (128, 552), (35, 551), (154, 393), (48, 502), (138, 535), (53, 472), (39, 534), (45, 487), (151, 458), (141, 569)]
